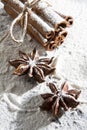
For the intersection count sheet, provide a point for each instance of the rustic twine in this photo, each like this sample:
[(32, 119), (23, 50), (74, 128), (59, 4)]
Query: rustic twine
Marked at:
[(22, 16)]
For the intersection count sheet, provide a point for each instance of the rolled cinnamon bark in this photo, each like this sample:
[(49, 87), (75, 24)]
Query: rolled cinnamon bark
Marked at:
[(49, 37), (13, 13), (16, 4), (61, 26), (51, 46), (40, 25), (57, 41), (30, 29), (68, 19), (60, 39), (33, 19), (46, 11)]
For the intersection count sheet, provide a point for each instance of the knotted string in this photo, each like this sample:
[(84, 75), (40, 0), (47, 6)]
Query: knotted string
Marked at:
[(22, 16)]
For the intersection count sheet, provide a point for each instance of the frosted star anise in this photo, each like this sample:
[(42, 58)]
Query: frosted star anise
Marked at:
[(32, 64), (60, 98)]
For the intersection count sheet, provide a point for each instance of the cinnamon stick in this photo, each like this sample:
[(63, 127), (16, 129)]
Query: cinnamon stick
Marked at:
[(68, 19), (13, 13), (57, 41), (16, 4), (46, 11), (40, 25)]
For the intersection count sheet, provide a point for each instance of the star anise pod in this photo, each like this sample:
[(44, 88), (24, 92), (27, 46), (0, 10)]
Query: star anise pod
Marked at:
[(33, 65), (60, 98)]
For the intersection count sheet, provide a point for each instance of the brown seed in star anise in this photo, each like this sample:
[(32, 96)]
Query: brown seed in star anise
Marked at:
[(33, 65), (60, 98)]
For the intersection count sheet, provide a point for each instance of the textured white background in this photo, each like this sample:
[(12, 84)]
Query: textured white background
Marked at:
[(72, 64)]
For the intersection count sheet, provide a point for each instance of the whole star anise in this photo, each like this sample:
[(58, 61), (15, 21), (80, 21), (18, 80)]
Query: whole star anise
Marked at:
[(60, 98), (32, 64)]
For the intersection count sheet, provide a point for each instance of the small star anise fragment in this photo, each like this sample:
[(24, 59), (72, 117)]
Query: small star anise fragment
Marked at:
[(33, 65), (60, 98)]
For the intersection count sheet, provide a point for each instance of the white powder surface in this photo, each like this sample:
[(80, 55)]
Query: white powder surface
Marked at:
[(71, 65)]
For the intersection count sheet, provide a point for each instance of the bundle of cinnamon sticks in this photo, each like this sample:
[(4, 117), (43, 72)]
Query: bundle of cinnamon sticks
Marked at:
[(45, 24)]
